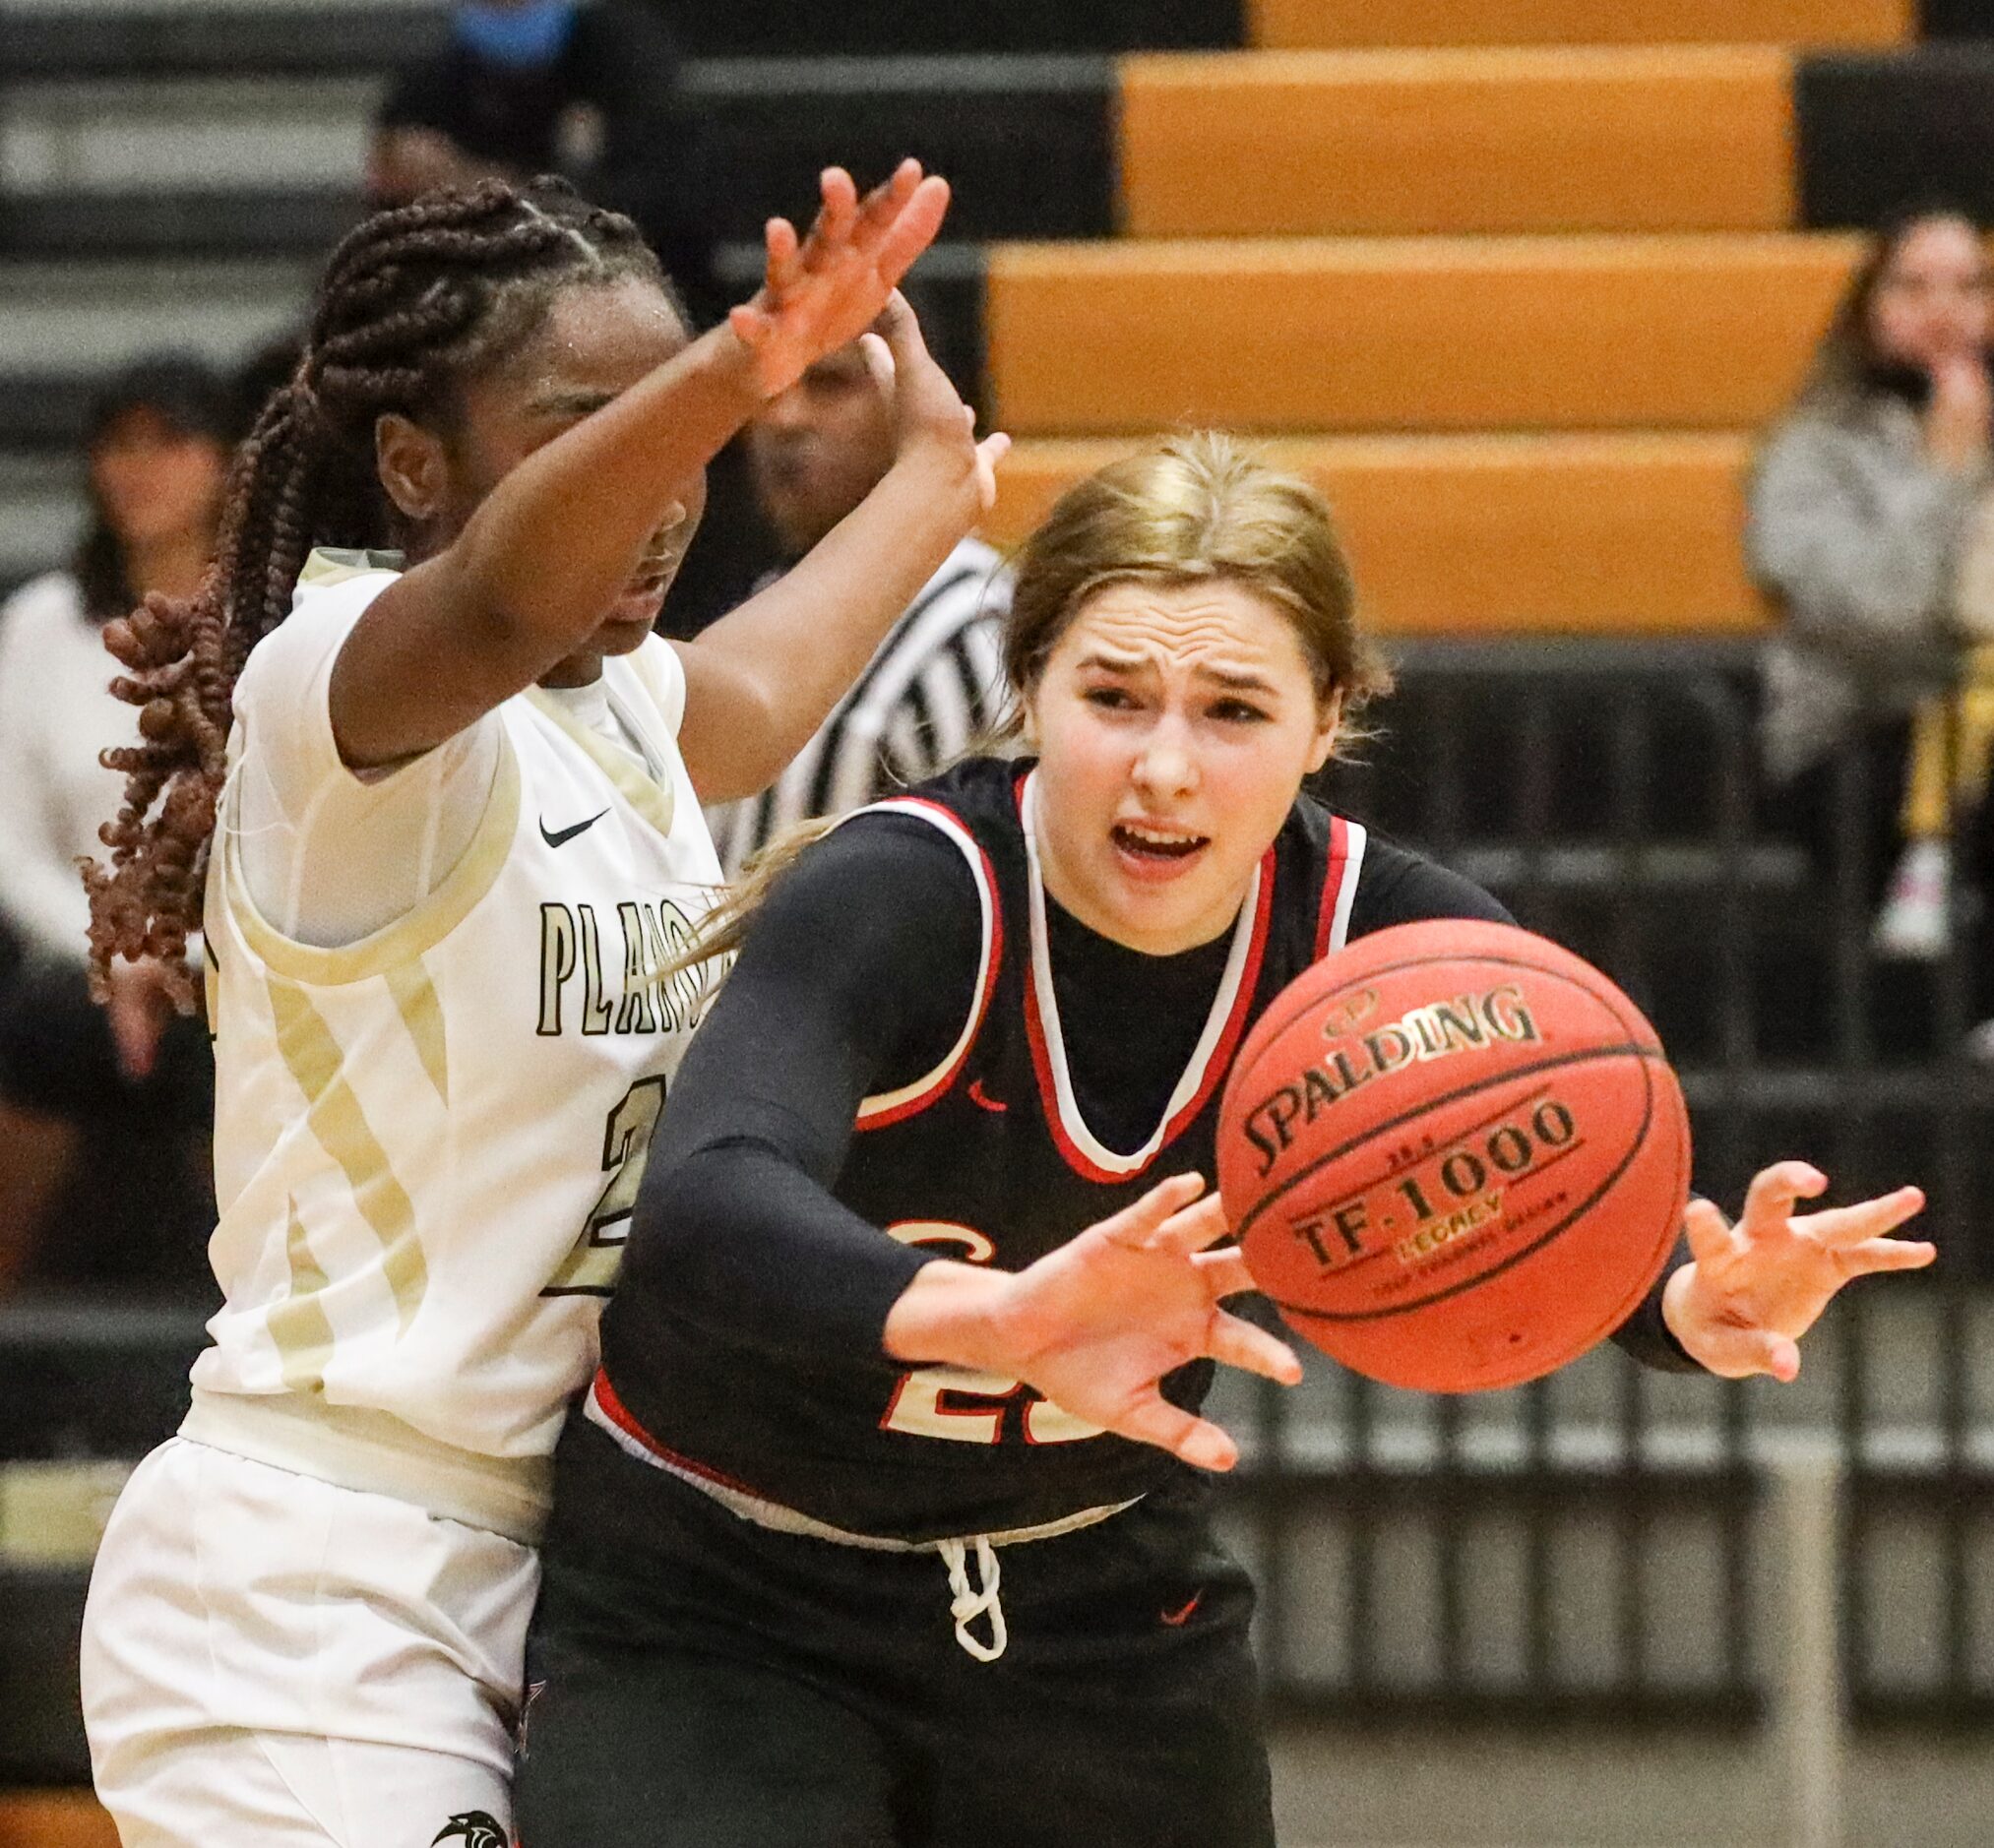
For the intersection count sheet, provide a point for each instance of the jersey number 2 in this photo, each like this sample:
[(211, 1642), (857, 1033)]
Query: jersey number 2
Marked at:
[(590, 1267), (955, 1402)]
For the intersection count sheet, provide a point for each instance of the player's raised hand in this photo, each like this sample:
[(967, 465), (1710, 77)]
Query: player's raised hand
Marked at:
[(1753, 1288), (822, 291), (1097, 1323), (929, 414)]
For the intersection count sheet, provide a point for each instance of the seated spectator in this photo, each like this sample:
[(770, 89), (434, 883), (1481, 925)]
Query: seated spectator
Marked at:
[(933, 688), (157, 442), (1872, 520), (588, 88)]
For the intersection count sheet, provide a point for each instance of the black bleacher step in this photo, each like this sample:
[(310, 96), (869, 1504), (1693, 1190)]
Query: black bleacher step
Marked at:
[(1880, 131), (1956, 18), (1928, 1088), (85, 1377), (784, 29), (69, 43), (1028, 144), (43, 412), (62, 42), (42, 1739), (175, 222)]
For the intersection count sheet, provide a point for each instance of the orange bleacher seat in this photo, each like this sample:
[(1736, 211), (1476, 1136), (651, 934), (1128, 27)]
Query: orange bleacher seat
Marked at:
[(1429, 334), (1465, 534), (1537, 139), (1290, 24)]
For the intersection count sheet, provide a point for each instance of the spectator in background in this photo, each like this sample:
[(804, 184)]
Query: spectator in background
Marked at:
[(933, 686), (1872, 520), (157, 440), (590, 91)]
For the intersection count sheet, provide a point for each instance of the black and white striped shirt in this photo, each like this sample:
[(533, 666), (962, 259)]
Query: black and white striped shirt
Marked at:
[(933, 688)]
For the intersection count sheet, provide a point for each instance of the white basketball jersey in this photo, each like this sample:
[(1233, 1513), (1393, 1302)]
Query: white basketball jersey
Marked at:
[(428, 1142)]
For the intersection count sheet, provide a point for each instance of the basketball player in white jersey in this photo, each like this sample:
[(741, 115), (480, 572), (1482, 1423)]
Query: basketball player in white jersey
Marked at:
[(454, 800)]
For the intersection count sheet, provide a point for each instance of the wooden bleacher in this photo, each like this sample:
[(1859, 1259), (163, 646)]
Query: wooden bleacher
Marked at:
[(1452, 535), (1406, 333), (1286, 24), (1517, 281), (1557, 139)]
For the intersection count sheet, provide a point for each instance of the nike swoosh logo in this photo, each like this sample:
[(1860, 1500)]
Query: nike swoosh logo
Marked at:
[(984, 1100), (1178, 1619), (562, 835)]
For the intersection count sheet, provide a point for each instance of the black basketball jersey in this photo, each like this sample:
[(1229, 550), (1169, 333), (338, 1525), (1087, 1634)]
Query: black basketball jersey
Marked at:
[(987, 1159)]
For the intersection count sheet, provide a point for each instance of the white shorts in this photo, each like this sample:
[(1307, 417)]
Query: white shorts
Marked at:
[(268, 1660)]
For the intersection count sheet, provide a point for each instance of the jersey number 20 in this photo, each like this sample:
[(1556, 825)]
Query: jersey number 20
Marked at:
[(956, 1404)]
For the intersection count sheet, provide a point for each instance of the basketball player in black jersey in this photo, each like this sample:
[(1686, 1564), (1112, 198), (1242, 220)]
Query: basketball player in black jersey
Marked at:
[(876, 1529)]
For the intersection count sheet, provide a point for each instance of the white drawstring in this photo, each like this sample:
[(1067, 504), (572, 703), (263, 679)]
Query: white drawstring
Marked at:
[(969, 1605)]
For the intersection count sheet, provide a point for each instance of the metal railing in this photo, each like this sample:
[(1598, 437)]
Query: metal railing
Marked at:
[(1606, 1544), (1596, 1545)]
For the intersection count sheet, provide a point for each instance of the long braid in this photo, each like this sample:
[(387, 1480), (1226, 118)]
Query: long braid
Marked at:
[(414, 302)]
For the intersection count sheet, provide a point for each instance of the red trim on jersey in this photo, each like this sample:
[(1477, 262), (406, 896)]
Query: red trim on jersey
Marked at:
[(1216, 1067), (945, 1080), (1332, 884), (618, 1414)]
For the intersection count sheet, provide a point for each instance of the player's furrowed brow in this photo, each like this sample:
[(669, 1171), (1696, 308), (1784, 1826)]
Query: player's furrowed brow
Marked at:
[(1238, 679), (1114, 664)]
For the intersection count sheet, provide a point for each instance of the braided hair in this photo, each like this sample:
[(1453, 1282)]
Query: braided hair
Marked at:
[(415, 302)]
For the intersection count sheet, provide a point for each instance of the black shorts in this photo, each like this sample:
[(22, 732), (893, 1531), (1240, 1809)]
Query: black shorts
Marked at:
[(728, 1686)]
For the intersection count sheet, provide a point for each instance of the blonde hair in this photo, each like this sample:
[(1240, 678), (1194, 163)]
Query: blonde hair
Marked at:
[(1186, 509)]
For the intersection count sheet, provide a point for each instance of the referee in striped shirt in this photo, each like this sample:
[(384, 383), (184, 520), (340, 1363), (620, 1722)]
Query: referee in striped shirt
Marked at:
[(935, 685)]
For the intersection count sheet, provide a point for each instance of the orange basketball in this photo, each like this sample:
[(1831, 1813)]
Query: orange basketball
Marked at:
[(1455, 1156)]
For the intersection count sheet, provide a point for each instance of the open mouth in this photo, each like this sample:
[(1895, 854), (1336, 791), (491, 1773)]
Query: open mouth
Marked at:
[(642, 596), (1157, 846)]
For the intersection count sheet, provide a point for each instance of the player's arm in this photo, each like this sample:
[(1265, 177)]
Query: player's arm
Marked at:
[(855, 978), (556, 541), (859, 972), (761, 681)]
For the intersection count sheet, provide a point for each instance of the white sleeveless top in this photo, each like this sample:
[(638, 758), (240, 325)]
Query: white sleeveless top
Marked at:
[(428, 1141)]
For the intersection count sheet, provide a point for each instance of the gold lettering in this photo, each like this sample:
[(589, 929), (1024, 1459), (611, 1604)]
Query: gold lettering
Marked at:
[(595, 1001), (634, 1013), (1429, 1239), (557, 964)]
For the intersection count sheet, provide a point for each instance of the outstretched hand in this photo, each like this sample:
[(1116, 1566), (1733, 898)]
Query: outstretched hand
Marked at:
[(1753, 1288), (928, 413), (1095, 1325), (822, 291)]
